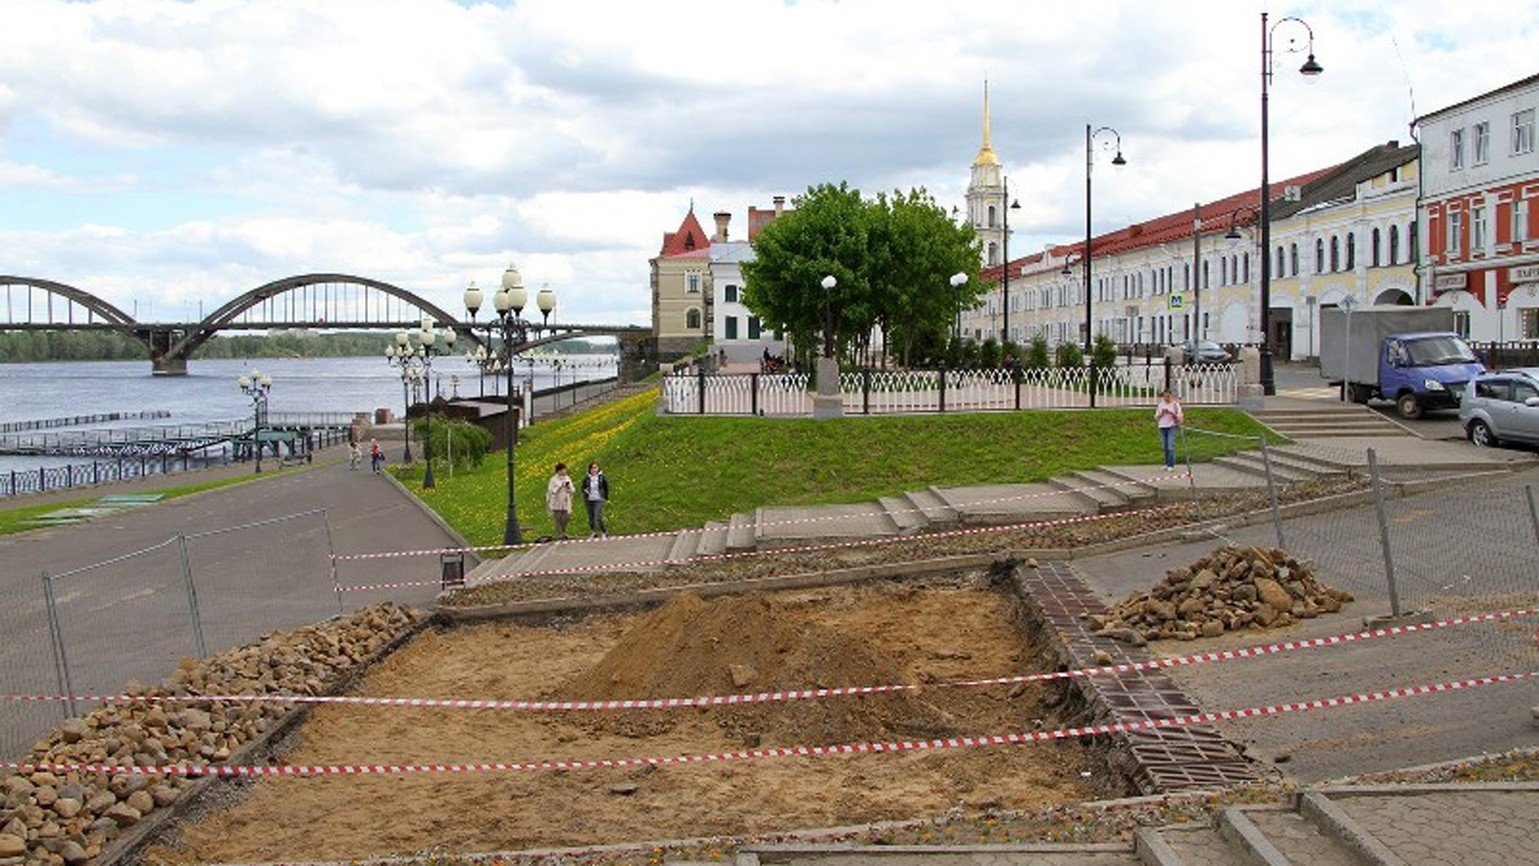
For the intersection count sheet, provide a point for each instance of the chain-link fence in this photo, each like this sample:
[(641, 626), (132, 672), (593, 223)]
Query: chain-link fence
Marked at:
[(91, 630)]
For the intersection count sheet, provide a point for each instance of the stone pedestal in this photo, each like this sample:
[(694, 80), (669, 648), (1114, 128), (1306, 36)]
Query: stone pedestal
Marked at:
[(828, 403), (1250, 397)]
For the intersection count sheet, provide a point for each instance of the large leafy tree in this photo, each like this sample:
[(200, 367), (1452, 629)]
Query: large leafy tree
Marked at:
[(892, 257)]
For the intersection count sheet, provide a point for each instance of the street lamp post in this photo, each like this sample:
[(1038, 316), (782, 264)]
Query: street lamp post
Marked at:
[(1309, 69), (958, 280), (256, 386), (828, 283), (416, 363), (1004, 335), (1089, 163), (513, 330)]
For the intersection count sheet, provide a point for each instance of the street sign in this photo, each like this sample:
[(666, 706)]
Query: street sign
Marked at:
[(1176, 301)]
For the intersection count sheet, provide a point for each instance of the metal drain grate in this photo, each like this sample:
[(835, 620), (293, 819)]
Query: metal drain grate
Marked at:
[(1169, 759)]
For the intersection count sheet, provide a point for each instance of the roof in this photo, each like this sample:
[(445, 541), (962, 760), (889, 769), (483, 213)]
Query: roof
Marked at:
[(689, 239), (1530, 81), (1243, 208)]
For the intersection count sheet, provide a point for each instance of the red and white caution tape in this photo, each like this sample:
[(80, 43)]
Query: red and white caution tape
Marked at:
[(781, 551), (801, 694), (829, 518), (752, 754)]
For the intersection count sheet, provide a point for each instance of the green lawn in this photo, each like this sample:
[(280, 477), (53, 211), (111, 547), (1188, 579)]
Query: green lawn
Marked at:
[(667, 473)]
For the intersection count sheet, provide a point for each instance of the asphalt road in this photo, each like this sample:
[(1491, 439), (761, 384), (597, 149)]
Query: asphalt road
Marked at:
[(131, 619)]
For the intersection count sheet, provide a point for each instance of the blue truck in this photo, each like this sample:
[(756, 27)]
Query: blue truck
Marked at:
[(1409, 355)]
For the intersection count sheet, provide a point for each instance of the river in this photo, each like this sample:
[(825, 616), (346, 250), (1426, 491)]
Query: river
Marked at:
[(209, 392)]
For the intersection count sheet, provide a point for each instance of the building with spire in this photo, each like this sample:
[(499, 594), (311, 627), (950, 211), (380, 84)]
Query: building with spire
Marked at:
[(986, 195)]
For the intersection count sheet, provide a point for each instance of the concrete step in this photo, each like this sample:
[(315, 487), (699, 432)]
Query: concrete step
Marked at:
[(846, 854), (1295, 838), (996, 504), (1190, 845), (1302, 456), (1255, 464), (777, 526), (931, 506), (685, 545), (740, 533), (1135, 491), (1287, 462), (713, 539), (903, 514), (1097, 497)]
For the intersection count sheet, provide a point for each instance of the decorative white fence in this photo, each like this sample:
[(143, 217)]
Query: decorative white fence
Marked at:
[(887, 392)]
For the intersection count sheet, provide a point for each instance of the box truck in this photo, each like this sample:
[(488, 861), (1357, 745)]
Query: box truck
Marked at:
[(1410, 355)]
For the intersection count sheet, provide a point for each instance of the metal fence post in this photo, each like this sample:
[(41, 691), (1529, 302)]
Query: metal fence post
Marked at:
[(1271, 492), (753, 394), (1167, 373), (701, 381), (1533, 512), (1389, 560), (943, 390), (192, 597), (331, 556), (1093, 377), (865, 391), (60, 658)]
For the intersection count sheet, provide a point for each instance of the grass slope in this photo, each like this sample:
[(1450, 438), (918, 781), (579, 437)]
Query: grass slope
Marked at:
[(671, 472)]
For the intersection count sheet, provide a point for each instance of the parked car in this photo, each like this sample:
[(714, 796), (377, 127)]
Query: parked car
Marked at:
[(1205, 352), (1499, 407)]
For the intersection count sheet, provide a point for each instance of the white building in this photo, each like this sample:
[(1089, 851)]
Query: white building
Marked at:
[(735, 329)]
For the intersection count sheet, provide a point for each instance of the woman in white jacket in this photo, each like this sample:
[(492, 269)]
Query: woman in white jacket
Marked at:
[(558, 498)]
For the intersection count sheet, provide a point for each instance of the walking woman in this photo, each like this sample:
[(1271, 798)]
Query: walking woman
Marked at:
[(1169, 416), (558, 498), (595, 492)]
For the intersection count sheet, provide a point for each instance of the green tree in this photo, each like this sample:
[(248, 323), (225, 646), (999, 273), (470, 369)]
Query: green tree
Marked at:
[(892, 258), (1068, 355), (1104, 350), (1036, 354)]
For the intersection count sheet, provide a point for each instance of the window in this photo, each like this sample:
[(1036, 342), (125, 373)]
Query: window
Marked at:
[(1319, 255), (1410, 241), (1205, 282), (992, 217), (1351, 251), (730, 294), (692, 320), (1293, 257), (1335, 254), (1522, 390), (1523, 132), (1394, 245), (1528, 323), (1520, 219), (1223, 271), (1374, 248), (1462, 323), (692, 283), (1455, 232), (993, 254), (1281, 271), (1186, 277), (1245, 264), (1478, 229), (1456, 150), (1482, 143), (1492, 389), (731, 330)]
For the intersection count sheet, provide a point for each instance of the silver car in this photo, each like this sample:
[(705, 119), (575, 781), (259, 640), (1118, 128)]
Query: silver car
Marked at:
[(1502, 407)]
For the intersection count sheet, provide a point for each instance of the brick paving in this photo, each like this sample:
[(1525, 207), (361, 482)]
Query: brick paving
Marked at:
[(1453, 828)]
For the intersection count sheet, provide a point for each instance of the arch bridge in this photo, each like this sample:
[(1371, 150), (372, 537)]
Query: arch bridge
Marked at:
[(328, 301)]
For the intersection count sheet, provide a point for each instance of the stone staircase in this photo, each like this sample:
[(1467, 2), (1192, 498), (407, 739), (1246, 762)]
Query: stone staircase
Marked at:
[(1330, 420), (1337, 826)]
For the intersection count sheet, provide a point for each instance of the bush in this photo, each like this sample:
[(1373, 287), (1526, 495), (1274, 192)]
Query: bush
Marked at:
[(988, 355), (1037, 355), (1104, 350), (462, 442), (1067, 354)]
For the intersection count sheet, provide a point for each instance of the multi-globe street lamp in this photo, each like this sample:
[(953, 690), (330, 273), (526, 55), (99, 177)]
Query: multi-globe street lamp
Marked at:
[(416, 362), (512, 329), (1309, 70), (1117, 161), (256, 386)]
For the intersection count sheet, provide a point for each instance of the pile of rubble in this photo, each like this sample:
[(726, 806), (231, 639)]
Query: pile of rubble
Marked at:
[(1231, 588), (67, 818)]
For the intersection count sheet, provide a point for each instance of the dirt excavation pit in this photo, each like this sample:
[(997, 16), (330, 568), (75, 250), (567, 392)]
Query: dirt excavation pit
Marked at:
[(876, 634)]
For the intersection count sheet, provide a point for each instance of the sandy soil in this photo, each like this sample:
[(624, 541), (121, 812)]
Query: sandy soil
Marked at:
[(874, 634)]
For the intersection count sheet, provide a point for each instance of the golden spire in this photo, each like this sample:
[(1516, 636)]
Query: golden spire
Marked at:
[(986, 154)]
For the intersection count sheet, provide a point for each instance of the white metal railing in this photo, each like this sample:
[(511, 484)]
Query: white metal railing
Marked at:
[(887, 392)]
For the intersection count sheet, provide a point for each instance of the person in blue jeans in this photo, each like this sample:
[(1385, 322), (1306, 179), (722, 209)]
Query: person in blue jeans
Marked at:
[(1167, 414), (595, 492)]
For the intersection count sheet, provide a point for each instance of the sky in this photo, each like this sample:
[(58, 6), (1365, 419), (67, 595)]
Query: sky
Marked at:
[(169, 154)]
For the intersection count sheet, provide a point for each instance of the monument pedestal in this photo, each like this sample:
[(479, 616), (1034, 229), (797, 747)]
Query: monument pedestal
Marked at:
[(828, 403)]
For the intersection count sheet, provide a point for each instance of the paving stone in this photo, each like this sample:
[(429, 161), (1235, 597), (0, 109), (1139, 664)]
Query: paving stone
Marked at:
[(1452, 827)]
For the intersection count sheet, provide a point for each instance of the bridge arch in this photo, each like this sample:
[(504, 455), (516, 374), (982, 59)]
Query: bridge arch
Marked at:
[(110, 314)]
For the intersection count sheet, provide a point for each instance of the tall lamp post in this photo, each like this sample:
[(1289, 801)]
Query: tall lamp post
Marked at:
[(512, 329), (416, 362), (1309, 70), (1089, 257), (400, 359), (958, 280), (829, 283), (256, 385), (1004, 334)]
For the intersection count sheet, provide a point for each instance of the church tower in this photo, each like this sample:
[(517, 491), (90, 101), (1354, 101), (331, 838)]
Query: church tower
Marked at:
[(986, 195)]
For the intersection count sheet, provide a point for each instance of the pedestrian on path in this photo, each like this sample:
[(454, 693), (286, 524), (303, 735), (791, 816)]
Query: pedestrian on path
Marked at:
[(354, 456), (558, 498), (595, 492), (376, 456), (1168, 415)]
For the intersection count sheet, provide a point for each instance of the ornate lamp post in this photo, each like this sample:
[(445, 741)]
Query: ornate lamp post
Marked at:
[(513, 331), (256, 385), (1117, 161), (400, 355), (416, 363), (1309, 70)]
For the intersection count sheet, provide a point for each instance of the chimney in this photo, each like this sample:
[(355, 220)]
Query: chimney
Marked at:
[(1394, 143), (780, 205), (722, 218)]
